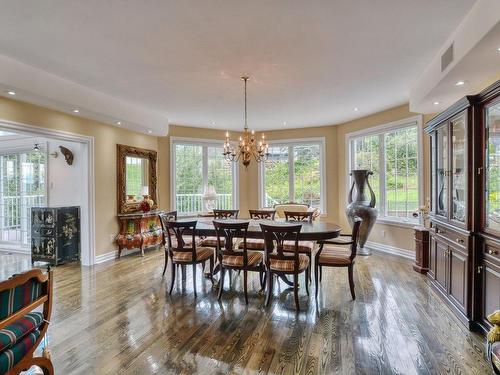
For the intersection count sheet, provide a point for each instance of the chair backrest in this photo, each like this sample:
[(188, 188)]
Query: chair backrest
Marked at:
[(274, 237), (164, 218), (226, 214), (306, 217), (296, 207), (23, 293), (262, 214), (177, 230), (228, 231), (354, 236)]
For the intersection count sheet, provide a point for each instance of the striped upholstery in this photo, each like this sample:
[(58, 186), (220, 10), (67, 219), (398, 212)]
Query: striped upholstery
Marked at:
[(304, 246), (202, 253), (10, 357), (253, 257), (253, 244), (495, 354), (15, 331), (211, 242), (287, 265), (13, 300), (187, 241), (335, 255)]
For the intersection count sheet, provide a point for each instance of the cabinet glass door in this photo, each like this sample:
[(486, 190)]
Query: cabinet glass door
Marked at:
[(458, 189), (433, 173), (492, 167), (442, 171)]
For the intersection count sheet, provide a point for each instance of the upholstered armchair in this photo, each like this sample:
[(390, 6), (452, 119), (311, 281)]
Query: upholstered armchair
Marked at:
[(21, 327), (294, 207)]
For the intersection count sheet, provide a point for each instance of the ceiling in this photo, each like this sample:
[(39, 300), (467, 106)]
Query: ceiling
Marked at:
[(311, 63)]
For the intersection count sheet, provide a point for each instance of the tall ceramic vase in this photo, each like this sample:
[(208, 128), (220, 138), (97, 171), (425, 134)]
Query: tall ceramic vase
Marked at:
[(362, 207)]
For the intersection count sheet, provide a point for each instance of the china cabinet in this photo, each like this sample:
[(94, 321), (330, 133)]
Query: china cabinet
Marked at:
[(464, 243)]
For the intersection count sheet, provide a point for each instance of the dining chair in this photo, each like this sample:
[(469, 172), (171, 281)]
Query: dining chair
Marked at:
[(335, 256), (164, 218), (211, 241), (183, 253), (305, 247), (232, 259), (279, 262), (258, 243)]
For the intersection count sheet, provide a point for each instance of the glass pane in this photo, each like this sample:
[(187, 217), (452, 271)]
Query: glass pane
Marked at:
[(136, 177), (458, 166), (188, 178), (433, 173), (220, 178), (442, 171), (276, 176), (493, 167), (366, 156), (307, 181), (401, 174)]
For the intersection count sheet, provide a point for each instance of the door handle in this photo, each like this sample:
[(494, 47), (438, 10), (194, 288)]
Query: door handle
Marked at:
[(492, 252)]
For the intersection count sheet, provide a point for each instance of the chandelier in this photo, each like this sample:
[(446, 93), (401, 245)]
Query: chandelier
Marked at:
[(248, 146)]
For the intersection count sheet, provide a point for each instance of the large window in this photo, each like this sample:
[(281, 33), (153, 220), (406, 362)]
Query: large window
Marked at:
[(391, 152), (198, 168), (294, 173)]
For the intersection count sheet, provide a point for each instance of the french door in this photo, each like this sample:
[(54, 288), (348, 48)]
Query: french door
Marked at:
[(22, 185)]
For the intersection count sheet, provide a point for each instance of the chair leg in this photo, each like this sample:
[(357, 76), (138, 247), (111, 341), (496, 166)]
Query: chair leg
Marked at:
[(183, 272), (316, 270), (351, 281), (320, 273), (166, 263), (296, 290), (307, 278), (230, 277), (172, 280), (194, 280), (269, 276), (310, 268), (245, 285), (212, 269), (221, 281)]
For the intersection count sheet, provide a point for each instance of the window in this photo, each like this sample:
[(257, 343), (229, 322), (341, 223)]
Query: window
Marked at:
[(294, 173), (197, 166), (391, 152)]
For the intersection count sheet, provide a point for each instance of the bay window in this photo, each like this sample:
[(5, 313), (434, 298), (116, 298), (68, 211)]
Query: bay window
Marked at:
[(392, 152), (198, 167)]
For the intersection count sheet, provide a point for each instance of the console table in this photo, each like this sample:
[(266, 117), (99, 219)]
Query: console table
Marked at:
[(139, 230)]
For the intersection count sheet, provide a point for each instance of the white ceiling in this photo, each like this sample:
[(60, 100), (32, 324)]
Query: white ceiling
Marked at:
[(311, 62)]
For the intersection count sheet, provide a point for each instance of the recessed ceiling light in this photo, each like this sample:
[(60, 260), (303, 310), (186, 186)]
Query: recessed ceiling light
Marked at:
[(213, 122), (284, 123), (76, 110), (460, 83), (436, 103), (10, 92), (498, 49), (355, 109), (150, 131), (118, 123)]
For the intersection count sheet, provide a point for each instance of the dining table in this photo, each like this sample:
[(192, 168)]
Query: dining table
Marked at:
[(310, 231)]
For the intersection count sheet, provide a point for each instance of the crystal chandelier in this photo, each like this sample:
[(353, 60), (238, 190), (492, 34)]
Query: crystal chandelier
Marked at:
[(248, 146)]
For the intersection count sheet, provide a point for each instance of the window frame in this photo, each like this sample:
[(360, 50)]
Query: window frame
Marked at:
[(204, 143), (322, 162), (380, 130)]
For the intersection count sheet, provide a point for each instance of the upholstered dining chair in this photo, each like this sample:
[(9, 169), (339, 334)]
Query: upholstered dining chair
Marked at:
[(280, 262), (182, 253), (258, 243), (164, 218), (332, 254), (305, 247), (211, 241), (232, 259)]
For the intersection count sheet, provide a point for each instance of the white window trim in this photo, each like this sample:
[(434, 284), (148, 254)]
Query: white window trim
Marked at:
[(322, 161), (415, 120), (199, 142)]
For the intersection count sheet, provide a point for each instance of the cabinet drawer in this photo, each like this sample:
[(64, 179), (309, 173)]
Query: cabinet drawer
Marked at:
[(456, 238), (492, 252)]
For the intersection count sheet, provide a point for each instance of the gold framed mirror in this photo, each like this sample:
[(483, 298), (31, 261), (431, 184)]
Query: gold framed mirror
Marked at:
[(136, 177)]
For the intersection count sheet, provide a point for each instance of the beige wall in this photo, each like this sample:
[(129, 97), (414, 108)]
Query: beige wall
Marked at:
[(105, 139)]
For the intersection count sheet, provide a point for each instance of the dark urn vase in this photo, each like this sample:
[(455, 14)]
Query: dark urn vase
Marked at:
[(362, 207)]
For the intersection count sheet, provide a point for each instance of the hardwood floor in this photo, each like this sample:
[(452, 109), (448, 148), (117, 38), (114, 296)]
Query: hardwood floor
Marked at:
[(117, 318)]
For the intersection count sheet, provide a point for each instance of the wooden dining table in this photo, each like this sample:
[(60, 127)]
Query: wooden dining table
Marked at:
[(314, 231)]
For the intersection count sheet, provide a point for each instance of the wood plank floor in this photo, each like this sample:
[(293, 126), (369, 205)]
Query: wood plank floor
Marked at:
[(117, 318)]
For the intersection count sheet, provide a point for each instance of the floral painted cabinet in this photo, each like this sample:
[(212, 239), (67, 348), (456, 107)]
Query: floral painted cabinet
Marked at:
[(55, 234), (139, 230)]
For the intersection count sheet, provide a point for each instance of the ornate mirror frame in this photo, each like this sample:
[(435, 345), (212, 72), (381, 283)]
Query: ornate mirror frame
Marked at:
[(122, 151)]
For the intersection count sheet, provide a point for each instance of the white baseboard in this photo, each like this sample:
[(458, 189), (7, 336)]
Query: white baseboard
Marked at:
[(15, 249), (408, 254), (113, 255)]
